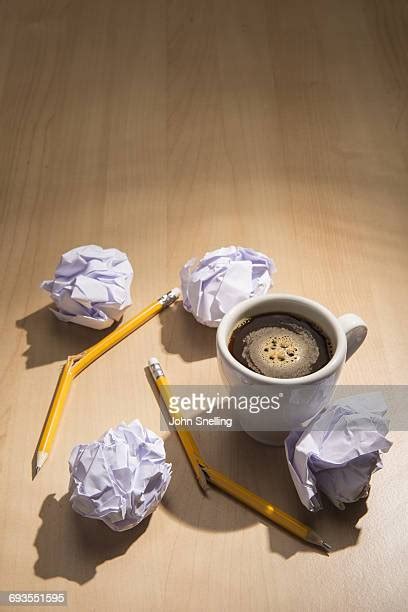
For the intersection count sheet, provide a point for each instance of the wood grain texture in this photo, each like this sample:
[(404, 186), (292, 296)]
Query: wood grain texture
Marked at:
[(167, 129)]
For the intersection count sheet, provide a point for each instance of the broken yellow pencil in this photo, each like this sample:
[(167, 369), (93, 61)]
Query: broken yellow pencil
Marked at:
[(187, 440), (77, 363), (205, 473)]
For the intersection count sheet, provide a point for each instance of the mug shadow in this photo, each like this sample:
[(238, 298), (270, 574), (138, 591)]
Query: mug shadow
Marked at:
[(72, 547), (263, 470), (181, 334), (50, 340)]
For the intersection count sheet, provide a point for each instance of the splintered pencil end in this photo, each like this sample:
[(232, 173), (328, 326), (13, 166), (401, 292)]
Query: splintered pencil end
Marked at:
[(203, 482)]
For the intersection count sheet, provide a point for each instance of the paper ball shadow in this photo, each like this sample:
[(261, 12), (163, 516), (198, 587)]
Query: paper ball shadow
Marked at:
[(72, 547), (51, 340), (181, 334), (263, 470)]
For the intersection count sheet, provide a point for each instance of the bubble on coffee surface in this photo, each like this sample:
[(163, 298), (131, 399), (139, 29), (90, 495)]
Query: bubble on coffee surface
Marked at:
[(280, 352)]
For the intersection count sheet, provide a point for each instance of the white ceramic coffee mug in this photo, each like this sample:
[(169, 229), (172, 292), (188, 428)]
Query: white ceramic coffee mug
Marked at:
[(297, 399)]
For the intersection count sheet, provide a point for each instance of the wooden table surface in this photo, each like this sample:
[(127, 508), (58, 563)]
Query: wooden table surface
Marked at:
[(167, 129)]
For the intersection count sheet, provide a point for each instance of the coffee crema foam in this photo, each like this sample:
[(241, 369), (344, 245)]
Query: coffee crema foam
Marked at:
[(281, 353), (280, 345)]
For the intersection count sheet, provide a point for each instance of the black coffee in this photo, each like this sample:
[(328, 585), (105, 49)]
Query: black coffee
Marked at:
[(280, 345)]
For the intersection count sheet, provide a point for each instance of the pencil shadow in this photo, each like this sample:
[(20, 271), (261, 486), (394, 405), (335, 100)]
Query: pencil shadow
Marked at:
[(51, 340), (183, 335), (185, 500), (72, 547), (262, 469)]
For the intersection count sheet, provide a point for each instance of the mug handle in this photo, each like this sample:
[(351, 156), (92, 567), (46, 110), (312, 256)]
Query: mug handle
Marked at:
[(355, 330)]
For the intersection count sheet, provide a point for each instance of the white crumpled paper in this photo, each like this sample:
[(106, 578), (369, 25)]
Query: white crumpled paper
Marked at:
[(91, 286), (212, 285), (338, 451), (121, 478)]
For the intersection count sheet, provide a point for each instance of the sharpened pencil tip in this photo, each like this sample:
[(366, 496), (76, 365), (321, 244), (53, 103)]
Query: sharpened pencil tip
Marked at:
[(42, 457), (314, 538)]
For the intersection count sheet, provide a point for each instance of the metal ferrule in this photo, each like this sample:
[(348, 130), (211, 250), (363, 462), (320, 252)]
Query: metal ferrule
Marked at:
[(156, 370), (168, 298)]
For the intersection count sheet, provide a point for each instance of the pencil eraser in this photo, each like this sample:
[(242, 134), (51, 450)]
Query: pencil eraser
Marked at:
[(152, 361), (176, 292)]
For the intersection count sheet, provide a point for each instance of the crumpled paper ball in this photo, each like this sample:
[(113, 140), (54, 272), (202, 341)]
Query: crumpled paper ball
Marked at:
[(339, 451), (91, 286), (212, 285), (121, 478)]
